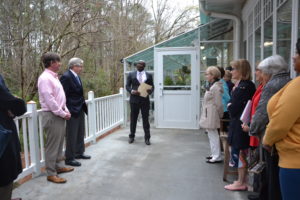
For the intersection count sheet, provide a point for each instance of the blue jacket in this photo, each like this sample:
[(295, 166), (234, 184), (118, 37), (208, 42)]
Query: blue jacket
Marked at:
[(225, 96)]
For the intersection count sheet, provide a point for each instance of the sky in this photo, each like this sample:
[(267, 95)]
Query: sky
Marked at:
[(184, 3), (180, 3)]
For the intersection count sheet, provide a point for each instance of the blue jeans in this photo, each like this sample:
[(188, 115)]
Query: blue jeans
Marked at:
[(290, 183)]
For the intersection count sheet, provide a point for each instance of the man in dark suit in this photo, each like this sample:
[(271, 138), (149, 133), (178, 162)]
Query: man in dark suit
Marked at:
[(10, 160), (138, 102), (72, 85)]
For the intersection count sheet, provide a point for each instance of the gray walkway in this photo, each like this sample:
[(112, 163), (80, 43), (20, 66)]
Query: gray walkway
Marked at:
[(172, 168)]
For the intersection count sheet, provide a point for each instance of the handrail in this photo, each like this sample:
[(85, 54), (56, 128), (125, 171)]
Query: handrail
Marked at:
[(105, 113)]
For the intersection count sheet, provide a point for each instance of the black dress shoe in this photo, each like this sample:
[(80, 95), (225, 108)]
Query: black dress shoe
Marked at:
[(74, 163), (147, 142), (130, 140), (83, 156)]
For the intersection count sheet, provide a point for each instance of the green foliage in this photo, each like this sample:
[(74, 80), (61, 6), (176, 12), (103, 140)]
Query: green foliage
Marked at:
[(168, 81), (183, 76), (97, 82)]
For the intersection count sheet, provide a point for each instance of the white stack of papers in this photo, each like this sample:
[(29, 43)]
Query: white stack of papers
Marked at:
[(246, 115)]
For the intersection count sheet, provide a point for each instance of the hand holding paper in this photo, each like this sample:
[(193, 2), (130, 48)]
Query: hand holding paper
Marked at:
[(143, 89)]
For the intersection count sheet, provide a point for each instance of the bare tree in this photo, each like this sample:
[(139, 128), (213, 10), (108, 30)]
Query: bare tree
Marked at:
[(101, 32), (166, 24)]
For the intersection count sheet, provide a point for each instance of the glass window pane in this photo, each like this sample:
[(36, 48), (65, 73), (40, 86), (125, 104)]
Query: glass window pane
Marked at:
[(215, 54), (268, 37), (177, 72), (250, 49), (220, 29), (146, 55), (188, 39), (284, 29), (257, 46)]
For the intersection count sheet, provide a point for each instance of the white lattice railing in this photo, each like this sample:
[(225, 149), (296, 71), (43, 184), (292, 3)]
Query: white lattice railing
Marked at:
[(104, 114)]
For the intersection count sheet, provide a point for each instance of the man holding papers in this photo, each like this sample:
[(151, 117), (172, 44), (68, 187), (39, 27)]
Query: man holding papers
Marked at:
[(140, 85)]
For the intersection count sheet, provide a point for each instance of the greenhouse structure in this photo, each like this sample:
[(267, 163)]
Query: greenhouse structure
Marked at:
[(233, 29)]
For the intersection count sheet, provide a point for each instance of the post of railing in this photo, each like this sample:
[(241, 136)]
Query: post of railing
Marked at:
[(34, 138), (92, 115), (122, 107)]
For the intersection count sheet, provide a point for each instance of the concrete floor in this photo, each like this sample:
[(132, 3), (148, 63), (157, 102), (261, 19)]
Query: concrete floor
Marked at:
[(172, 168)]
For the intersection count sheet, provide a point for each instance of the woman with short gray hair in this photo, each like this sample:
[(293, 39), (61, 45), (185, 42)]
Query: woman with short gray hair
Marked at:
[(277, 69), (273, 65)]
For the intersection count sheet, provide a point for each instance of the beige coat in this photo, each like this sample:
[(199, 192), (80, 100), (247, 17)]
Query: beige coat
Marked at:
[(212, 108)]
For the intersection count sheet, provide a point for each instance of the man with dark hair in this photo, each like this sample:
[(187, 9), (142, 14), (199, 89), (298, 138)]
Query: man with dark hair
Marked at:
[(72, 85), (138, 102), (55, 113), (50, 57)]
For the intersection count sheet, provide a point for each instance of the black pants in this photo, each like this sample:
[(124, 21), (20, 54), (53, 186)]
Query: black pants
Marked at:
[(75, 137), (270, 187), (6, 191), (144, 106)]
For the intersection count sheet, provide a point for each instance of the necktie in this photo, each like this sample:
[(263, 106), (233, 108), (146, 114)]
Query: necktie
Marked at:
[(140, 77), (77, 78)]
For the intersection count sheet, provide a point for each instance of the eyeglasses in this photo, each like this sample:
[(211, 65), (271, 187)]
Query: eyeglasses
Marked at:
[(233, 69)]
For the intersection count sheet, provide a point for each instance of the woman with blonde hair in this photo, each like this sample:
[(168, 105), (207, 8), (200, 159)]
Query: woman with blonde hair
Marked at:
[(212, 112), (242, 91)]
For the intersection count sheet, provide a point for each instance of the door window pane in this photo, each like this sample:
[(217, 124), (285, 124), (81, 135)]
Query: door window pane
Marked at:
[(177, 72)]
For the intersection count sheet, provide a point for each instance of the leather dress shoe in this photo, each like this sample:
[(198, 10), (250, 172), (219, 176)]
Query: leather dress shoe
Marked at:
[(56, 179), (147, 141), (64, 170), (74, 163), (83, 156), (130, 140)]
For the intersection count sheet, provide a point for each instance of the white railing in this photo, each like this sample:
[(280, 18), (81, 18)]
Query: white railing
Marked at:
[(104, 114)]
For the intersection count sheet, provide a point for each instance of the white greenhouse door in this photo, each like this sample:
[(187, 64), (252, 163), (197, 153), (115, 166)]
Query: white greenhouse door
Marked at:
[(177, 93)]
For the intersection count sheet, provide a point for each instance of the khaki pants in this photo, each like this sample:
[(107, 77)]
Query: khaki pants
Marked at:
[(6, 191), (55, 128)]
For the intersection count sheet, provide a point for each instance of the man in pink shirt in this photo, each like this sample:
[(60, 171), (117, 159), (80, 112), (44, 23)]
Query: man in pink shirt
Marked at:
[(54, 116)]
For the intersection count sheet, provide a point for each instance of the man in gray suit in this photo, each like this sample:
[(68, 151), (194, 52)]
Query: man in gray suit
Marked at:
[(72, 85)]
